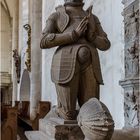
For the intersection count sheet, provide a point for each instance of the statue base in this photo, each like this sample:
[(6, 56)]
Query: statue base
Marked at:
[(55, 128), (64, 132)]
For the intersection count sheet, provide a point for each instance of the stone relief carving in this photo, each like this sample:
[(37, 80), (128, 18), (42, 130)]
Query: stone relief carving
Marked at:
[(131, 81), (17, 63), (131, 107), (131, 24), (132, 43), (27, 27), (132, 60)]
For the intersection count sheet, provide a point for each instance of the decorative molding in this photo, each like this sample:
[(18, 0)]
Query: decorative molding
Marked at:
[(127, 2), (5, 79), (27, 27)]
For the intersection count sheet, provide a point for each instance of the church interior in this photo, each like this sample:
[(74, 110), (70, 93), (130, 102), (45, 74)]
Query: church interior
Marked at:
[(27, 91)]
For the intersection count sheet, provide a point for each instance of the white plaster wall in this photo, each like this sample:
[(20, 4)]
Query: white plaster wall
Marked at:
[(112, 61), (109, 13), (23, 36), (25, 87)]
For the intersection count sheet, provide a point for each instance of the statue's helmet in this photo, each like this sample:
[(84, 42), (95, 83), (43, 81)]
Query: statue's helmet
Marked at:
[(73, 1)]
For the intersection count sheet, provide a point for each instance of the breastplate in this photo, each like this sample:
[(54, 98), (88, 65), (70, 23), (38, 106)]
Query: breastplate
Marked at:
[(74, 22)]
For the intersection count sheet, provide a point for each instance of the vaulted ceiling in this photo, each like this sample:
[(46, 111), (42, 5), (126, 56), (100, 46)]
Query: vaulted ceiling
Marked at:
[(9, 6)]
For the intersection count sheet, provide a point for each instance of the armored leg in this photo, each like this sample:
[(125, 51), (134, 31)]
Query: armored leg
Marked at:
[(67, 97), (82, 86), (88, 86)]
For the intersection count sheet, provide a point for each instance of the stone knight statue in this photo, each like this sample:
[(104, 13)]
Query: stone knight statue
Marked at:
[(75, 67)]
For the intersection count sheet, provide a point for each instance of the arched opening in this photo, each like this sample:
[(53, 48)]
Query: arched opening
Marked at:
[(25, 87)]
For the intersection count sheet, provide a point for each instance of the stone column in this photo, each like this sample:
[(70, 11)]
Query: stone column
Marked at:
[(35, 20), (15, 46), (131, 81)]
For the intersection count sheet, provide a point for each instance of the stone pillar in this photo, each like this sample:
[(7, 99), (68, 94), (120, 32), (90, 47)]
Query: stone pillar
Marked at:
[(131, 81), (35, 20), (15, 46)]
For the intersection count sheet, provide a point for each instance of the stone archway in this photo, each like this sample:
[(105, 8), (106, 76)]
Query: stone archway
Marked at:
[(25, 86)]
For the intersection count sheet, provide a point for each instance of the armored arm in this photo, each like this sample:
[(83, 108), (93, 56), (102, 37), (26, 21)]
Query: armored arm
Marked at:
[(52, 37), (97, 36)]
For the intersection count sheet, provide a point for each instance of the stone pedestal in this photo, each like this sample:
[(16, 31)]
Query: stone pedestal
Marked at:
[(56, 129), (52, 127), (131, 81)]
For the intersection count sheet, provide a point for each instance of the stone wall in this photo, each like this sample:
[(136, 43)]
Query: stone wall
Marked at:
[(112, 61), (109, 13)]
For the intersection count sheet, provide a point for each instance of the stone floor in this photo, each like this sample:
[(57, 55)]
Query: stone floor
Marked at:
[(124, 134)]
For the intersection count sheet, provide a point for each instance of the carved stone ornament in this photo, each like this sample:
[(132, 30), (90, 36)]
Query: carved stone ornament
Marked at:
[(17, 63), (132, 44), (27, 27)]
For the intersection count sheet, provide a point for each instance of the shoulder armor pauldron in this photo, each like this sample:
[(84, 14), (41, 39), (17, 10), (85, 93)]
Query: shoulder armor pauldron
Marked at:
[(63, 18)]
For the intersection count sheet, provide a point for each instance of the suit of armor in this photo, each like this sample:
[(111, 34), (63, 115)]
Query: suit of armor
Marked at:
[(75, 67)]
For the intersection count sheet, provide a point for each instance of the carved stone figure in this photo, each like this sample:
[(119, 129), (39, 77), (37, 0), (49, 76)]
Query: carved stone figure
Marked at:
[(27, 27), (95, 120), (133, 60), (75, 67), (17, 63)]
